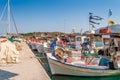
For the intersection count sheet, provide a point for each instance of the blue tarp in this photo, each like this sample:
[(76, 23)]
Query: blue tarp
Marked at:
[(104, 62)]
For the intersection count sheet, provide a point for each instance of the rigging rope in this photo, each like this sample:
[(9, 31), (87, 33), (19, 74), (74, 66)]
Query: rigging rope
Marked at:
[(3, 12), (14, 22)]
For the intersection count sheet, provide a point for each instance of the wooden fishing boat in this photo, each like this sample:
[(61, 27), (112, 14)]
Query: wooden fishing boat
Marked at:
[(111, 44), (78, 68)]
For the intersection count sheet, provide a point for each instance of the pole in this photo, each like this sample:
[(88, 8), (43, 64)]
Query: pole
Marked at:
[(8, 31), (64, 26), (89, 23), (90, 15), (89, 33), (108, 23), (109, 14)]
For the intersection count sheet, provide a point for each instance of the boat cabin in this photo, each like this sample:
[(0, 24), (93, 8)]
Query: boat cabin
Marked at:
[(111, 43), (79, 40)]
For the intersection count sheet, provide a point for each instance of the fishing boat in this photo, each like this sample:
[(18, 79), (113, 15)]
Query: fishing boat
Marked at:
[(102, 65), (79, 69)]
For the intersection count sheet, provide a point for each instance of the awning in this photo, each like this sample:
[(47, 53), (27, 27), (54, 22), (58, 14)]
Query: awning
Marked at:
[(110, 29)]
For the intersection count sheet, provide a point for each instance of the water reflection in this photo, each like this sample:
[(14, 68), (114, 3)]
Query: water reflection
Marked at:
[(117, 77)]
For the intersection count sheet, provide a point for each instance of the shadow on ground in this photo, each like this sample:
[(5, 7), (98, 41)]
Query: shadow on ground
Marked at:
[(6, 75)]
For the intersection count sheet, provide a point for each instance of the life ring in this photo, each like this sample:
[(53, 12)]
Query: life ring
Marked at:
[(59, 53)]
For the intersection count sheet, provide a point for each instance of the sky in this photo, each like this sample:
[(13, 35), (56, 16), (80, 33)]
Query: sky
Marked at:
[(58, 15)]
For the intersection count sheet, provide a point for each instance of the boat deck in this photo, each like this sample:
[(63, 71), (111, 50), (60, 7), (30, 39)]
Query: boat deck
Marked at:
[(28, 68)]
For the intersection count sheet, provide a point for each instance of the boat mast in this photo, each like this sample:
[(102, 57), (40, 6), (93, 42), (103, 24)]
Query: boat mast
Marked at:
[(8, 30)]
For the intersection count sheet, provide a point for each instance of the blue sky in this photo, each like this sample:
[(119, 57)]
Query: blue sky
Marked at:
[(50, 15)]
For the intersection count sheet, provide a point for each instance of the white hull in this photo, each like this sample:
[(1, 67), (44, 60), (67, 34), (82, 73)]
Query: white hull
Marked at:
[(60, 68)]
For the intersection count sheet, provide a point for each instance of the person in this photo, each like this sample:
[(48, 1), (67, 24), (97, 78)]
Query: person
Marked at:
[(53, 45), (84, 46)]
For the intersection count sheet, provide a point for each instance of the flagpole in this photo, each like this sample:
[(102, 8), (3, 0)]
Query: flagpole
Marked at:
[(108, 23), (90, 16), (109, 14), (90, 32), (92, 22), (89, 25)]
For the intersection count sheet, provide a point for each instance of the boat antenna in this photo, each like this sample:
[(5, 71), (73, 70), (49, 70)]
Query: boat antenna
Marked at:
[(64, 25)]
